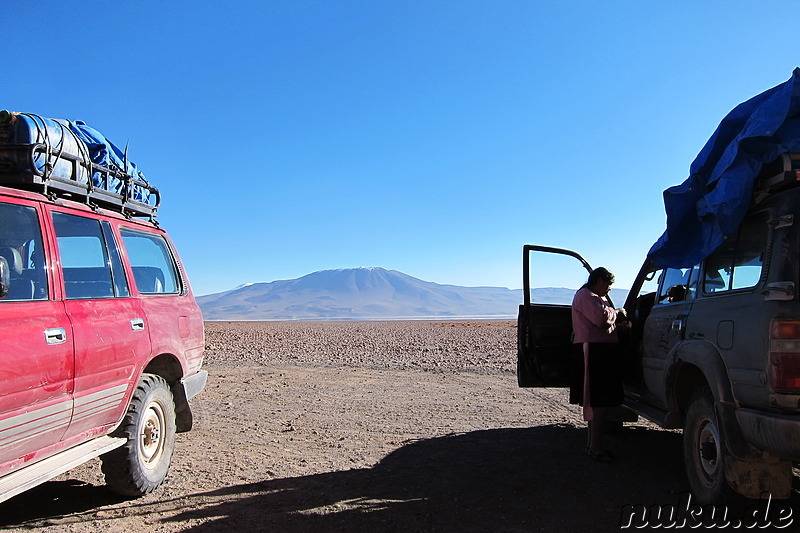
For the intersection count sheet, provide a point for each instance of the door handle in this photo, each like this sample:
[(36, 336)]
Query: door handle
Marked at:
[(55, 335), (677, 325), (137, 324)]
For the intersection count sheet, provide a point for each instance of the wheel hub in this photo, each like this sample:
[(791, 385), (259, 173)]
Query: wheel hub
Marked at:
[(151, 442), (708, 449)]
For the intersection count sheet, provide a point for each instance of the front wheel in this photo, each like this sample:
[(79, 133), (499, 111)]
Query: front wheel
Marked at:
[(140, 466), (703, 451)]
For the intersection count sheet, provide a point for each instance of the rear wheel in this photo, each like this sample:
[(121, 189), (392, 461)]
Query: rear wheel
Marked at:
[(140, 466), (703, 451)]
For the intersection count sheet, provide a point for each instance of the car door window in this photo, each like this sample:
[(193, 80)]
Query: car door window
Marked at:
[(85, 260), (678, 285), (22, 250)]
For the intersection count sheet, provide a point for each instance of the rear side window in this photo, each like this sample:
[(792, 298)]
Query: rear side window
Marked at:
[(154, 269), (738, 263), (22, 250), (89, 258)]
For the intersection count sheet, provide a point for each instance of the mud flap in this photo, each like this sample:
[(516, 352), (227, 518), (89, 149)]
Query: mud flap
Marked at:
[(751, 478)]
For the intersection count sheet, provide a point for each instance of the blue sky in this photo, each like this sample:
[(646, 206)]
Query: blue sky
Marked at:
[(434, 138)]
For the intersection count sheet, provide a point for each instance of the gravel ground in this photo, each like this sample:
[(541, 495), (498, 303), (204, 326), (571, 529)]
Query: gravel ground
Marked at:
[(373, 426), (482, 347)]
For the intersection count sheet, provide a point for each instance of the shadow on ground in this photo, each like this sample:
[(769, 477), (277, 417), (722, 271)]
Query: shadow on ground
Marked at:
[(55, 499), (534, 479), (493, 480)]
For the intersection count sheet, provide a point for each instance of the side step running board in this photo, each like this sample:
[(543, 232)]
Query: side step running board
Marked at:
[(46, 469), (653, 414)]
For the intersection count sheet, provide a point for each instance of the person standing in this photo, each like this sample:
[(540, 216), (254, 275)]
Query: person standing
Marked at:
[(597, 383)]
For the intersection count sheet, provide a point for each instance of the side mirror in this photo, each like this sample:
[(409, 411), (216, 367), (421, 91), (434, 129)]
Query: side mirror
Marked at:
[(5, 277)]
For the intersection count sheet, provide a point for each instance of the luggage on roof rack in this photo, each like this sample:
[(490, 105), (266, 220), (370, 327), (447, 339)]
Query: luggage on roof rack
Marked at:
[(780, 174), (71, 159)]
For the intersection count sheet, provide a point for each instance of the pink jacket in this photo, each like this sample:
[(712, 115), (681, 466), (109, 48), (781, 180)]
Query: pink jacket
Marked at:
[(593, 318)]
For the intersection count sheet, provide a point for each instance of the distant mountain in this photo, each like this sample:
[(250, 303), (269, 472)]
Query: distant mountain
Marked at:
[(358, 294), (371, 294), (560, 295)]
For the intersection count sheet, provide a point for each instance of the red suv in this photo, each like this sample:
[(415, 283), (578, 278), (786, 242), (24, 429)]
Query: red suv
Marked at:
[(102, 339)]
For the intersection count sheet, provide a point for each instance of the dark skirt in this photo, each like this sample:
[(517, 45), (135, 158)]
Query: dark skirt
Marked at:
[(605, 375)]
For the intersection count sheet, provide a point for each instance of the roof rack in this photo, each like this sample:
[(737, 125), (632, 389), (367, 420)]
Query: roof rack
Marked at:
[(47, 156), (782, 173)]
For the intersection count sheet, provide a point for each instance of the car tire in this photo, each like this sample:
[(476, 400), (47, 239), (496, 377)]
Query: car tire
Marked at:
[(141, 464), (704, 451)]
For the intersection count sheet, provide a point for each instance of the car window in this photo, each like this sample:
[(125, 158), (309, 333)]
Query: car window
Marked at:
[(650, 282), (117, 272), (154, 269), (85, 260), (21, 249), (678, 285), (750, 250), (738, 263)]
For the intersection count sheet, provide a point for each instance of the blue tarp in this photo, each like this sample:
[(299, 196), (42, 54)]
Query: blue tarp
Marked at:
[(105, 153), (710, 205)]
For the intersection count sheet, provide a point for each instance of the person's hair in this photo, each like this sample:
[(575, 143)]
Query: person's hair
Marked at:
[(598, 274)]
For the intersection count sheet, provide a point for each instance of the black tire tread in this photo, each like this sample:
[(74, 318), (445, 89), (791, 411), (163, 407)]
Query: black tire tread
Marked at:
[(120, 467), (722, 492)]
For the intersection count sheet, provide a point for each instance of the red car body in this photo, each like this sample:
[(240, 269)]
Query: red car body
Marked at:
[(77, 335)]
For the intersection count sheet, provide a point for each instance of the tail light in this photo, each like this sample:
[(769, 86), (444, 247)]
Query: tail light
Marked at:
[(784, 355)]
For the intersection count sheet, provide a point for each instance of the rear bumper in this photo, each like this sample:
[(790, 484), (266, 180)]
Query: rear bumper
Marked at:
[(777, 434), (194, 384)]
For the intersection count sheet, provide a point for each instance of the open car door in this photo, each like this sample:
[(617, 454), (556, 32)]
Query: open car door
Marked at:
[(544, 331)]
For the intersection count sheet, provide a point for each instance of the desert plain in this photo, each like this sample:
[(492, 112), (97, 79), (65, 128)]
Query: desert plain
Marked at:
[(373, 426)]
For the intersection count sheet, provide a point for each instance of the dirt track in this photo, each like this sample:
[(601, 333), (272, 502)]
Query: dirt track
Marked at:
[(362, 426)]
